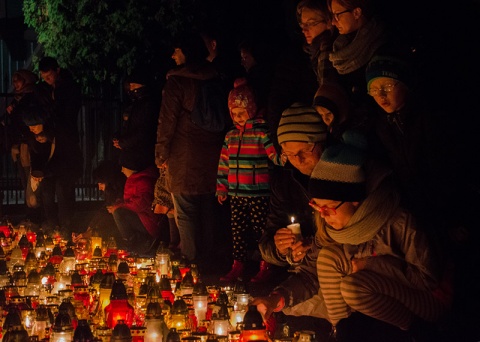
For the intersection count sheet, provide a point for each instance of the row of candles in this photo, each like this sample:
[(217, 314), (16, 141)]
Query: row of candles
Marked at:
[(52, 290)]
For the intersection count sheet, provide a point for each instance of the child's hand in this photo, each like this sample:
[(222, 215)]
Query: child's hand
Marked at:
[(222, 198)]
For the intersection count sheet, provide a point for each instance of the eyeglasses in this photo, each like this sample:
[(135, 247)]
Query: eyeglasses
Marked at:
[(310, 24), (301, 154), (387, 88), (326, 211), (336, 15)]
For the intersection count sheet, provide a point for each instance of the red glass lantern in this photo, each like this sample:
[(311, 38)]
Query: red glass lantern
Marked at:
[(119, 309)]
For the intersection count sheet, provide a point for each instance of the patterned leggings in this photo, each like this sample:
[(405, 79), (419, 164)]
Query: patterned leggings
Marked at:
[(373, 294), (248, 216)]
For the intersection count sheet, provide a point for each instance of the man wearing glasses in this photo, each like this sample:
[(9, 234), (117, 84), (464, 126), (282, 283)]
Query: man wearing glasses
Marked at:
[(302, 136)]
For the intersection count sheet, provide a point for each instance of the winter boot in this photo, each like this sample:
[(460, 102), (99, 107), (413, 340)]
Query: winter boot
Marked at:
[(264, 273), (236, 272)]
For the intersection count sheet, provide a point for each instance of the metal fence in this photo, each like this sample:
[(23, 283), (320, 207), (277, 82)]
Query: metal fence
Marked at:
[(99, 119)]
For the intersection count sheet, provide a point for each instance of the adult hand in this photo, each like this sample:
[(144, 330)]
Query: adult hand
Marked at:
[(160, 209), (266, 305), (82, 236), (283, 239), (116, 144), (300, 249), (76, 237)]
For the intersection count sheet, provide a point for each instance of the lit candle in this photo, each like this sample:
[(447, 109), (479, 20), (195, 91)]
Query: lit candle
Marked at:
[(295, 228)]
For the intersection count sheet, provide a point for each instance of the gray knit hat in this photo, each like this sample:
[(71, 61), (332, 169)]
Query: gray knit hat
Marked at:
[(339, 174), (301, 123)]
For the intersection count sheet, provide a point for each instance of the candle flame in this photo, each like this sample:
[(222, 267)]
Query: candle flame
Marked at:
[(292, 219)]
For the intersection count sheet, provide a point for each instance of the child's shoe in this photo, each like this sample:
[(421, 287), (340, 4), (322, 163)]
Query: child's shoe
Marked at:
[(264, 274)]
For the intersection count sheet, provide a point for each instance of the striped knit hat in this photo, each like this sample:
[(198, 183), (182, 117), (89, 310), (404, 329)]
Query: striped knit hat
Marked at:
[(339, 174), (301, 123)]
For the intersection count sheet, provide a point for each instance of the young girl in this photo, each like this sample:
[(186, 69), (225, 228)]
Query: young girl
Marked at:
[(243, 174)]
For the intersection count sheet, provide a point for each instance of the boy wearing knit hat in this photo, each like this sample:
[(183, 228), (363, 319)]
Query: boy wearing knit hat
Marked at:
[(372, 248), (413, 130), (388, 82), (243, 175)]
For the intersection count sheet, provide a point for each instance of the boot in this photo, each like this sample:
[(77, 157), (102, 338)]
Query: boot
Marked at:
[(236, 272), (264, 273)]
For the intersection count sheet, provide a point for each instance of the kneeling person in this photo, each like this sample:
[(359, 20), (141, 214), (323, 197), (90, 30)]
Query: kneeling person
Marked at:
[(136, 222)]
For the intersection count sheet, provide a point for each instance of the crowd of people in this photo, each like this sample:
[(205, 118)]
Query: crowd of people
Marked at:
[(337, 135)]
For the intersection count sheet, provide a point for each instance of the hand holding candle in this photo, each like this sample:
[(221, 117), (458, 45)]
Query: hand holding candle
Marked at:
[(294, 227)]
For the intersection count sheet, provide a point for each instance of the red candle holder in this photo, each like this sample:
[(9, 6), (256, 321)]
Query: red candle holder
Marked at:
[(32, 237)]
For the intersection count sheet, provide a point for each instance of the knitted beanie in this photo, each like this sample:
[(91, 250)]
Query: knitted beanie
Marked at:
[(333, 98), (301, 123), (339, 174), (388, 66), (241, 96)]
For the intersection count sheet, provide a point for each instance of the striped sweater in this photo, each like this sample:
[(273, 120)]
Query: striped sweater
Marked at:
[(243, 168)]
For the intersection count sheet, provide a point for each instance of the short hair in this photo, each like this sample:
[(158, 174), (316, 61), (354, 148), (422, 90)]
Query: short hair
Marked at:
[(193, 47), (365, 5), (48, 63), (315, 5)]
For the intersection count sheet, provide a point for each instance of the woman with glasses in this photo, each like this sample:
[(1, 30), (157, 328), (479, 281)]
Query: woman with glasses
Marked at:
[(315, 22), (376, 260), (360, 35)]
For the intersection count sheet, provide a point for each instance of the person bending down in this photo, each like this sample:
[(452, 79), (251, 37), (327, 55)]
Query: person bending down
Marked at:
[(136, 222), (376, 259)]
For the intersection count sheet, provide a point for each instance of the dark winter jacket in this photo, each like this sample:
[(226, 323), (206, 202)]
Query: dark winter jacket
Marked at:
[(191, 152), (67, 99), (138, 136), (63, 160)]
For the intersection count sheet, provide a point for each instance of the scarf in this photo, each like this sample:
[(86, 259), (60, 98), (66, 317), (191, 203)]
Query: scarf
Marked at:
[(319, 52), (348, 56), (370, 217)]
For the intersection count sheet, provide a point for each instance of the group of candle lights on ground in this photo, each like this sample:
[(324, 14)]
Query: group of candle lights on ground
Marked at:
[(55, 290)]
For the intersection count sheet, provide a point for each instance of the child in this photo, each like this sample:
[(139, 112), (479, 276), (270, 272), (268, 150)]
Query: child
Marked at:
[(243, 174)]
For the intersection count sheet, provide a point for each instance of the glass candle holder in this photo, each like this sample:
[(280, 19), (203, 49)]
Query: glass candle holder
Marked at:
[(62, 335), (221, 327), (242, 300), (200, 303)]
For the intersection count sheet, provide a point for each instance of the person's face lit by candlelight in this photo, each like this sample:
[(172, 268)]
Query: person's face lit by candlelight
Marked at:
[(388, 93), (346, 20), (337, 214), (303, 156), (178, 56), (312, 23)]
